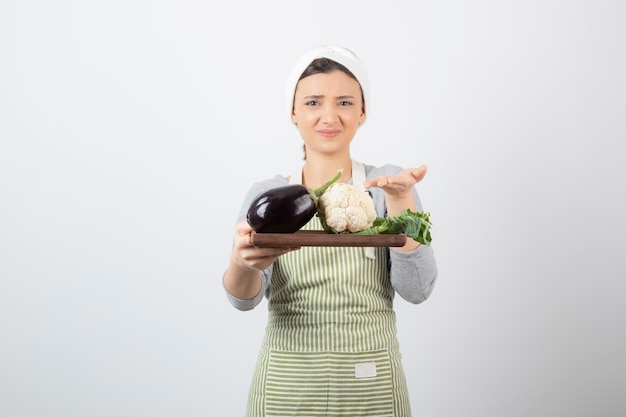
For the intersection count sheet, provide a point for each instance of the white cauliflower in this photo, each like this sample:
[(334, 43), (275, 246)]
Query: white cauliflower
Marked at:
[(346, 208)]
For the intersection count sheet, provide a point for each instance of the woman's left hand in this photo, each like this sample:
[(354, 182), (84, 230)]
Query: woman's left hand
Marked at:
[(398, 185), (399, 194)]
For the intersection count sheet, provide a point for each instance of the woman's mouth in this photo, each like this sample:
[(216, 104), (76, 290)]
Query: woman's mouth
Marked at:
[(329, 133)]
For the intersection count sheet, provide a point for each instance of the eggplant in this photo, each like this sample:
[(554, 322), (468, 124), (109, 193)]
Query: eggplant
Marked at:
[(282, 210), (285, 209)]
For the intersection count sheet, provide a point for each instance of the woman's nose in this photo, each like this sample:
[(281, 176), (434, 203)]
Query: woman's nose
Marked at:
[(329, 114)]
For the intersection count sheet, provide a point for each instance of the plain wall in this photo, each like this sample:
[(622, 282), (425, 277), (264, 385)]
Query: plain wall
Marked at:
[(130, 130)]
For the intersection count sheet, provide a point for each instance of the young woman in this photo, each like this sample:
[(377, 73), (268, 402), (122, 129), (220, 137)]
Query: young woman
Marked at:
[(330, 347)]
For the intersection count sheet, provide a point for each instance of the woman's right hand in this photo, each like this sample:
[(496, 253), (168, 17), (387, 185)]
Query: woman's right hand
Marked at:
[(249, 257)]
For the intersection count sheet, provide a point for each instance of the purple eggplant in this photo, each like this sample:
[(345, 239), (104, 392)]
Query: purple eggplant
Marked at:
[(285, 209)]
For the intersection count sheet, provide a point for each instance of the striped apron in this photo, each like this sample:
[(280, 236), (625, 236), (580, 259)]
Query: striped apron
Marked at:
[(330, 347)]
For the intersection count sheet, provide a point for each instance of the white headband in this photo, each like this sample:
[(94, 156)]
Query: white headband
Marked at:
[(338, 54)]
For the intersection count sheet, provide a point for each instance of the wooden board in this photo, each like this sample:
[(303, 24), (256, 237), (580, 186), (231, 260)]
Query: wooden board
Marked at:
[(321, 238)]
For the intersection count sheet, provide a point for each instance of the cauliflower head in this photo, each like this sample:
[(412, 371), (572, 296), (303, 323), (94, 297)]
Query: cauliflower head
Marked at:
[(346, 208)]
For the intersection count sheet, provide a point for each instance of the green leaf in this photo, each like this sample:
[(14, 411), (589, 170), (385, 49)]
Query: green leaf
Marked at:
[(414, 224)]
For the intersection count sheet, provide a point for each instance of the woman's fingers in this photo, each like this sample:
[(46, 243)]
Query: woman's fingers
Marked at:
[(251, 256), (404, 179), (419, 173)]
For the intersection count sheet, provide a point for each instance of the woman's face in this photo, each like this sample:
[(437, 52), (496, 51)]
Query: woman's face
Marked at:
[(328, 109)]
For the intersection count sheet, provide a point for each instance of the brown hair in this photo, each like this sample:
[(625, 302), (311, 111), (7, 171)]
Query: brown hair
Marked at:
[(325, 66)]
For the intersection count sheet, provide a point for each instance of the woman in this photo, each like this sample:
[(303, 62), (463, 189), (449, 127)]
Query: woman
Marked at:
[(330, 347)]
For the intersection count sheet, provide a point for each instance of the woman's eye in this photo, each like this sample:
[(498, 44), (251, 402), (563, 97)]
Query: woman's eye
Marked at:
[(345, 103), (311, 103)]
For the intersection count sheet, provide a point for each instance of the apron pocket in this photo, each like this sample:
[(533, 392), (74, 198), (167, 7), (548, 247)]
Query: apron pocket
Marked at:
[(330, 384)]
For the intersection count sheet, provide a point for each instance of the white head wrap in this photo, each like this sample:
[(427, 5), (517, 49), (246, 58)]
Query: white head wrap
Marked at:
[(338, 54)]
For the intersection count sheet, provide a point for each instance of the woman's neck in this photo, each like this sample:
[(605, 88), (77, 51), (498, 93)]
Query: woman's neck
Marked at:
[(317, 171)]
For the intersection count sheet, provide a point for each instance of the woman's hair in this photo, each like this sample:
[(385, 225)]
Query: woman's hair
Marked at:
[(326, 66)]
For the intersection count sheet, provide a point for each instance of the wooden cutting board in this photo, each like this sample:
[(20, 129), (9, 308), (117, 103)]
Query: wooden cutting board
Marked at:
[(321, 238)]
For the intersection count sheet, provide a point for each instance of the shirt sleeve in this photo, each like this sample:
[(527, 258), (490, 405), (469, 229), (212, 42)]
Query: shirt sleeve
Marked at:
[(255, 190), (413, 274)]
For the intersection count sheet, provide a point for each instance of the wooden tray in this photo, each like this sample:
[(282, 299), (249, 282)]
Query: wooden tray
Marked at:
[(321, 238)]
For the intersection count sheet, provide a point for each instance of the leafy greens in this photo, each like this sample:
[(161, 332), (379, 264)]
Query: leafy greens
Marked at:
[(414, 224)]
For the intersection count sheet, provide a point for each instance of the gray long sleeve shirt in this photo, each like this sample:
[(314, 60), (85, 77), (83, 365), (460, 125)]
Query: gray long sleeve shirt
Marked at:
[(412, 274)]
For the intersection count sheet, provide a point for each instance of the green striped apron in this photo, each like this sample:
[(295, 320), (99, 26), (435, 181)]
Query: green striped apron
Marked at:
[(330, 347)]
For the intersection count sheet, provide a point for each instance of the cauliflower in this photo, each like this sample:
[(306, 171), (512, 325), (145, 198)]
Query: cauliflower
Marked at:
[(346, 208)]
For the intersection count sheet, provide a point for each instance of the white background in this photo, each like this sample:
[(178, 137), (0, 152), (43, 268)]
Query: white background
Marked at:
[(131, 129)]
